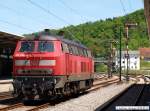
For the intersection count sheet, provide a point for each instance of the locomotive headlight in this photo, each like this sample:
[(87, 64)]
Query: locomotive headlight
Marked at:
[(19, 71), (47, 63), (22, 62), (49, 71)]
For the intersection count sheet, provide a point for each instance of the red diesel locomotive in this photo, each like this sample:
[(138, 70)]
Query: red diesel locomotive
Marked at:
[(47, 66)]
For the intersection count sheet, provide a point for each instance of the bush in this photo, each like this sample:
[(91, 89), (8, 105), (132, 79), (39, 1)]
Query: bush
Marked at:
[(145, 65), (101, 68)]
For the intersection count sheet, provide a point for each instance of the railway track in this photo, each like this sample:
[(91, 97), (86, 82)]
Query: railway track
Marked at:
[(9, 103), (17, 104), (40, 107), (12, 107), (136, 95), (100, 76), (96, 87), (103, 84), (5, 95)]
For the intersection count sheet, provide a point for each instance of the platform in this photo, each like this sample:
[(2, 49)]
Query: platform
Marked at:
[(6, 85), (6, 81)]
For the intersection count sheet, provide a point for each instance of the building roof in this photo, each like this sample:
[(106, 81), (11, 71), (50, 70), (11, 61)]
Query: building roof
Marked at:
[(8, 40), (145, 52), (130, 52)]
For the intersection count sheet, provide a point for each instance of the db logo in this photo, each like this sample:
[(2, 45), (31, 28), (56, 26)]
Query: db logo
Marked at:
[(34, 62)]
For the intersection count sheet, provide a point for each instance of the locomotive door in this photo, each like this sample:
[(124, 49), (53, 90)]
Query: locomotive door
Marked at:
[(67, 64)]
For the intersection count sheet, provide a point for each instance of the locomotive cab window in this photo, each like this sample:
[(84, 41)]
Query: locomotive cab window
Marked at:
[(45, 46), (27, 46)]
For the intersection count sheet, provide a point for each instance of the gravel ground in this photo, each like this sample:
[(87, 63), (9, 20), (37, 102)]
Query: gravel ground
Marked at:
[(141, 81), (90, 101)]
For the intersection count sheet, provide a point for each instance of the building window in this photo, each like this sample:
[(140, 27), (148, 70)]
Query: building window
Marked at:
[(135, 63)]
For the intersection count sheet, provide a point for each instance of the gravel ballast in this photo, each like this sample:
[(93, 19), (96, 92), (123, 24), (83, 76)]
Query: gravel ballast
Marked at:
[(90, 101)]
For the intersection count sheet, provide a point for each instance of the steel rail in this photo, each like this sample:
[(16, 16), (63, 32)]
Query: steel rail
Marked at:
[(12, 106)]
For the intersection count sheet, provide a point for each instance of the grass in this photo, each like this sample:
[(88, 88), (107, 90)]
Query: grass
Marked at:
[(101, 68), (145, 65)]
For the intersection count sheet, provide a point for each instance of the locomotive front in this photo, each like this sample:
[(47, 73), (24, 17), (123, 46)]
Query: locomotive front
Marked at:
[(48, 66), (34, 67)]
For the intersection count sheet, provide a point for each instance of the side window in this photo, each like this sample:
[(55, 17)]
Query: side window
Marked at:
[(70, 49), (76, 50), (79, 51), (65, 48), (85, 53), (89, 53), (73, 49), (82, 52)]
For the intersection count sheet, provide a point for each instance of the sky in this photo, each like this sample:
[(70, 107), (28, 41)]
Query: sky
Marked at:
[(27, 16)]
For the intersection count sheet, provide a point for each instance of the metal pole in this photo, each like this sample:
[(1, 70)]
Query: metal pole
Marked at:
[(127, 53), (108, 57), (109, 60), (111, 57), (120, 55)]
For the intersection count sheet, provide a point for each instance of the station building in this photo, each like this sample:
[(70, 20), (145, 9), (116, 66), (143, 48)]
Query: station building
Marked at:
[(7, 46), (133, 61)]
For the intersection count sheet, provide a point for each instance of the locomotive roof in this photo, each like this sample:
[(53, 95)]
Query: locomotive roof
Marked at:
[(54, 37)]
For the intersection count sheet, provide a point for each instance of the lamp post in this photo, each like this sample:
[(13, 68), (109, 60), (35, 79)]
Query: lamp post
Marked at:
[(110, 58)]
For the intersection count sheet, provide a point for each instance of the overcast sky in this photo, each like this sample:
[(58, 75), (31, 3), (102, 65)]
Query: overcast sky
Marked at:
[(22, 16)]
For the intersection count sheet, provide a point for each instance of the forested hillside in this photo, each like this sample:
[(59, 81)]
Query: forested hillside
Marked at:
[(96, 35)]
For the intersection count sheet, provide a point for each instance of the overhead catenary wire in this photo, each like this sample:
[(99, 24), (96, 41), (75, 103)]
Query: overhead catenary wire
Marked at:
[(18, 13), (16, 25), (130, 5), (120, 48), (52, 14), (123, 7), (72, 10), (77, 13), (47, 11)]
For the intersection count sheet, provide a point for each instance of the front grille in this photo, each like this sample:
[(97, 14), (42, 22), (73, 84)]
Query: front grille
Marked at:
[(34, 71)]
